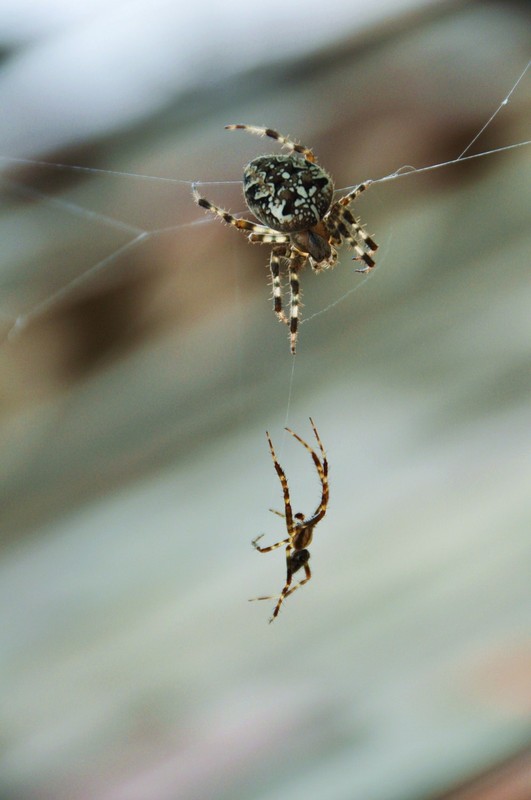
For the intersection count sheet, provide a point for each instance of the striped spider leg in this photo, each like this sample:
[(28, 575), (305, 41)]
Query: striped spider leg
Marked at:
[(299, 528), (342, 224), (291, 197), (259, 234)]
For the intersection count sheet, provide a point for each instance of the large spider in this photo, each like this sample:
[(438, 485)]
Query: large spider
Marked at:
[(291, 196), (300, 529)]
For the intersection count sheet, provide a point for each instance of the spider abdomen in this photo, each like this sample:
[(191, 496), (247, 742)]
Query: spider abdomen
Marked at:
[(287, 193), (298, 559)]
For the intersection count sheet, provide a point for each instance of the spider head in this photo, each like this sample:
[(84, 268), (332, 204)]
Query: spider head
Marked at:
[(313, 244), (298, 559)]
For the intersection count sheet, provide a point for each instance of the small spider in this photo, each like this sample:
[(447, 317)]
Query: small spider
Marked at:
[(300, 529), (291, 196)]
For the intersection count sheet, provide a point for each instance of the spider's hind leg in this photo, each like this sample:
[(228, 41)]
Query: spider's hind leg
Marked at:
[(296, 262), (289, 589), (348, 227), (360, 240), (343, 226), (277, 254)]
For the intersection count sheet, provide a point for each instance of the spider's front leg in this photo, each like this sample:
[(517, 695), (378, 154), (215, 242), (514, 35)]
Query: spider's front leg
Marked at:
[(355, 193), (285, 141), (258, 231)]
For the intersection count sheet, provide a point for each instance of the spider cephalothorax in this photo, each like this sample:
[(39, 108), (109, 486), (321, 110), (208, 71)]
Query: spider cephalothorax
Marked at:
[(299, 527), (291, 196)]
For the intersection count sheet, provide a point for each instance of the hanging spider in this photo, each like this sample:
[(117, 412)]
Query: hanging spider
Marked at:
[(300, 529), (291, 196)]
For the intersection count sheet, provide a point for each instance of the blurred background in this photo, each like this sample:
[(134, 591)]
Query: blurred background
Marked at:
[(141, 364)]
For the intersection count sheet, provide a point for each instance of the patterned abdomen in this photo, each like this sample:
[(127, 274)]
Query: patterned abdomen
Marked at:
[(287, 193)]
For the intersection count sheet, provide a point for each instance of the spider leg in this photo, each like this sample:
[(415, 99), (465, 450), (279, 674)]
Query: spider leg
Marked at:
[(264, 597), (284, 140), (316, 460), (277, 254), (241, 224), (284, 484), (278, 513), (360, 230), (289, 550), (297, 260), (344, 225), (271, 546), (355, 193), (289, 589), (322, 471), (269, 238), (308, 572)]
